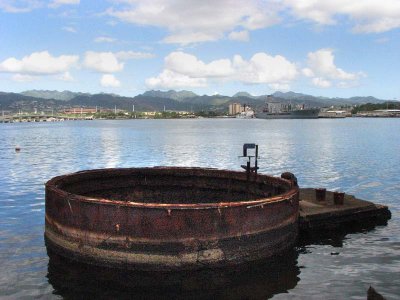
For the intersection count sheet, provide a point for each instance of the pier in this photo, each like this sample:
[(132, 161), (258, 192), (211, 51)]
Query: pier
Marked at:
[(40, 118), (323, 211)]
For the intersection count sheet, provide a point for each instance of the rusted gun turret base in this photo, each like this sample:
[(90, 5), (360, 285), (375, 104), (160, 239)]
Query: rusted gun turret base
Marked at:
[(170, 218)]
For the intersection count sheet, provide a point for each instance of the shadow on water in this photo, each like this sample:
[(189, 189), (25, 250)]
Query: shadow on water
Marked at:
[(73, 280), (335, 236)]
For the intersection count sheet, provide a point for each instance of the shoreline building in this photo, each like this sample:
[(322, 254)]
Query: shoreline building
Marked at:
[(235, 108), (80, 110), (383, 113)]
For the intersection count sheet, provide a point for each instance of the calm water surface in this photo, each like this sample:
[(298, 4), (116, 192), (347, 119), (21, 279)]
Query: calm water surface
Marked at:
[(358, 156)]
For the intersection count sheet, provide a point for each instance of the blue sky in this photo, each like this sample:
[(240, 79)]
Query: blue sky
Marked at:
[(333, 48)]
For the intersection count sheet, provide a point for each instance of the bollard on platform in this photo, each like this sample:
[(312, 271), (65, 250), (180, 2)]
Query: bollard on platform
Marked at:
[(338, 198), (320, 194)]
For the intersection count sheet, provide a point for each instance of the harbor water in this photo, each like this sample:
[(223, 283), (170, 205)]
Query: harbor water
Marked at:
[(359, 156)]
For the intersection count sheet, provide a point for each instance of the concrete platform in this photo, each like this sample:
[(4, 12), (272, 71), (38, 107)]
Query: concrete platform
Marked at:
[(319, 216)]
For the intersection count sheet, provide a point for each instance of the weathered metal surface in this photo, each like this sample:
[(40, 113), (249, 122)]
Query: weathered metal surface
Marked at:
[(170, 218), (320, 194), (338, 198), (337, 212)]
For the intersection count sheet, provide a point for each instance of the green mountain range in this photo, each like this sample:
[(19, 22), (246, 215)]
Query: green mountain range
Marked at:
[(56, 95), (171, 94), (160, 100)]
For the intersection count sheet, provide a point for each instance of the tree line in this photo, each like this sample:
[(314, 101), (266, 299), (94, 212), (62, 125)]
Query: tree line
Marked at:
[(376, 106)]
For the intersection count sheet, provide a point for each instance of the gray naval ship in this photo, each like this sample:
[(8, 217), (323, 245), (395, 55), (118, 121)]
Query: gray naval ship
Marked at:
[(278, 110)]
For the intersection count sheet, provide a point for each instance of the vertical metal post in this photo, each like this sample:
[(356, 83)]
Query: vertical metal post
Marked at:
[(247, 167), (256, 160)]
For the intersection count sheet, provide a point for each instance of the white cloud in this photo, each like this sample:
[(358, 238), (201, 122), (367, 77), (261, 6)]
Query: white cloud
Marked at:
[(22, 6), (39, 63), (321, 82), (103, 62), (280, 87), (189, 65), (170, 80), (104, 39), (126, 55), (191, 21), (347, 84), (242, 36), (368, 15), (321, 63), (23, 78), (264, 68), (58, 3), (108, 62), (69, 29), (186, 70), (186, 38), (307, 72), (66, 77), (321, 66), (378, 25), (109, 80)]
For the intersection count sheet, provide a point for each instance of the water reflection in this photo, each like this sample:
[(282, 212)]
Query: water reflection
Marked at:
[(110, 148), (337, 235), (71, 279)]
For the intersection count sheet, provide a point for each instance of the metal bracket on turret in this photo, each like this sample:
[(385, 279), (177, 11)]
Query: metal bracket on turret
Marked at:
[(250, 169)]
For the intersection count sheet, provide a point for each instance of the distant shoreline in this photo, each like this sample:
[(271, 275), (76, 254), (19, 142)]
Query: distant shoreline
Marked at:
[(58, 120)]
